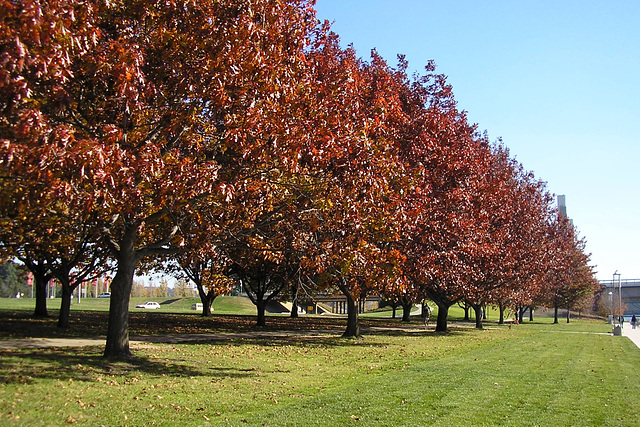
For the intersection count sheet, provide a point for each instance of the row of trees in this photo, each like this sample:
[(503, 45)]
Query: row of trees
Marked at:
[(237, 141)]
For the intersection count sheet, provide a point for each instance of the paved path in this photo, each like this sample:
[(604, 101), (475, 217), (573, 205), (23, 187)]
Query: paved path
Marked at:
[(632, 334)]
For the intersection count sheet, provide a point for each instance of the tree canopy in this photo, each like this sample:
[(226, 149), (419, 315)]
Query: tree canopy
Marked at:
[(243, 140)]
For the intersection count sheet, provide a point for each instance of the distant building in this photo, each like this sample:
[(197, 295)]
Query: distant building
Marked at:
[(625, 291), (562, 205)]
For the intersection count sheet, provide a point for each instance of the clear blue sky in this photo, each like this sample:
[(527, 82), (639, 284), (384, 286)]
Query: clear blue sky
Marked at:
[(559, 81)]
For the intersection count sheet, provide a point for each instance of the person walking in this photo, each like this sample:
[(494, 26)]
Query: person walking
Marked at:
[(634, 321)]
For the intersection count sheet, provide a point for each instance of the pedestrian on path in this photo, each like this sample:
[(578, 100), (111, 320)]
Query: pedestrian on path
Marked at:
[(634, 321)]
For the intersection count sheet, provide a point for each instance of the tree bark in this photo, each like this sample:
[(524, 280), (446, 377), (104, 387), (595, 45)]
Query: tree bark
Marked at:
[(353, 327), (501, 309), (530, 313), (206, 299), (406, 311), (294, 310), (294, 300), (206, 305), (568, 315), (261, 306), (466, 313), (555, 313), (65, 306), (41, 283), (443, 312), (118, 327), (521, 311), (443, 304), (477, 309)]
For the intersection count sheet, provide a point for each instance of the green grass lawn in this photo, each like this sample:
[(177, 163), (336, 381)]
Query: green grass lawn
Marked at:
[(222, 305), (527, 375)]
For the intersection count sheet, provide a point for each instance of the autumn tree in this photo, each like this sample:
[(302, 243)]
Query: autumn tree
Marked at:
[(348, 224), (53, 235), (442, 153), (525, 270), (16, 241), (144, 102), (207, 271), (511, 209), (570, 279)]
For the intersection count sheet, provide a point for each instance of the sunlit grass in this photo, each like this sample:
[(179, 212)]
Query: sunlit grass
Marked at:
[(222, 305)]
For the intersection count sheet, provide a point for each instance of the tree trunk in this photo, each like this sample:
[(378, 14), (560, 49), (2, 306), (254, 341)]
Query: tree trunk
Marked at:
[(501, 309), (555, 313), (353, 327), (530, 313), (393, 315), (466, 313), (261, 306), (206, 299), (118, 328), (41, 283), (568, 315), (477, 309), (294, 300), (206, 305), (443, 313), (406, 311), (65, 306)]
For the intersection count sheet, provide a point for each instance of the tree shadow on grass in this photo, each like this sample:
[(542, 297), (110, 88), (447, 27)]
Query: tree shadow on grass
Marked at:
[(24, 366), (166, 358), (87, 364)]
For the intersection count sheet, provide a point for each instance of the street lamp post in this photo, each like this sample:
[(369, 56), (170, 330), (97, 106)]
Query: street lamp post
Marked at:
[(613, 283), (611, 322), (620, 299)]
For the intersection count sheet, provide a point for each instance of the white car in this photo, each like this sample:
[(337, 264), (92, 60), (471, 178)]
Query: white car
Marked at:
[(105, 295), (149, 305)]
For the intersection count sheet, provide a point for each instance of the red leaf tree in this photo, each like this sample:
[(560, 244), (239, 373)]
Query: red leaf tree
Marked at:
[(157, 98), (443, 155)]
